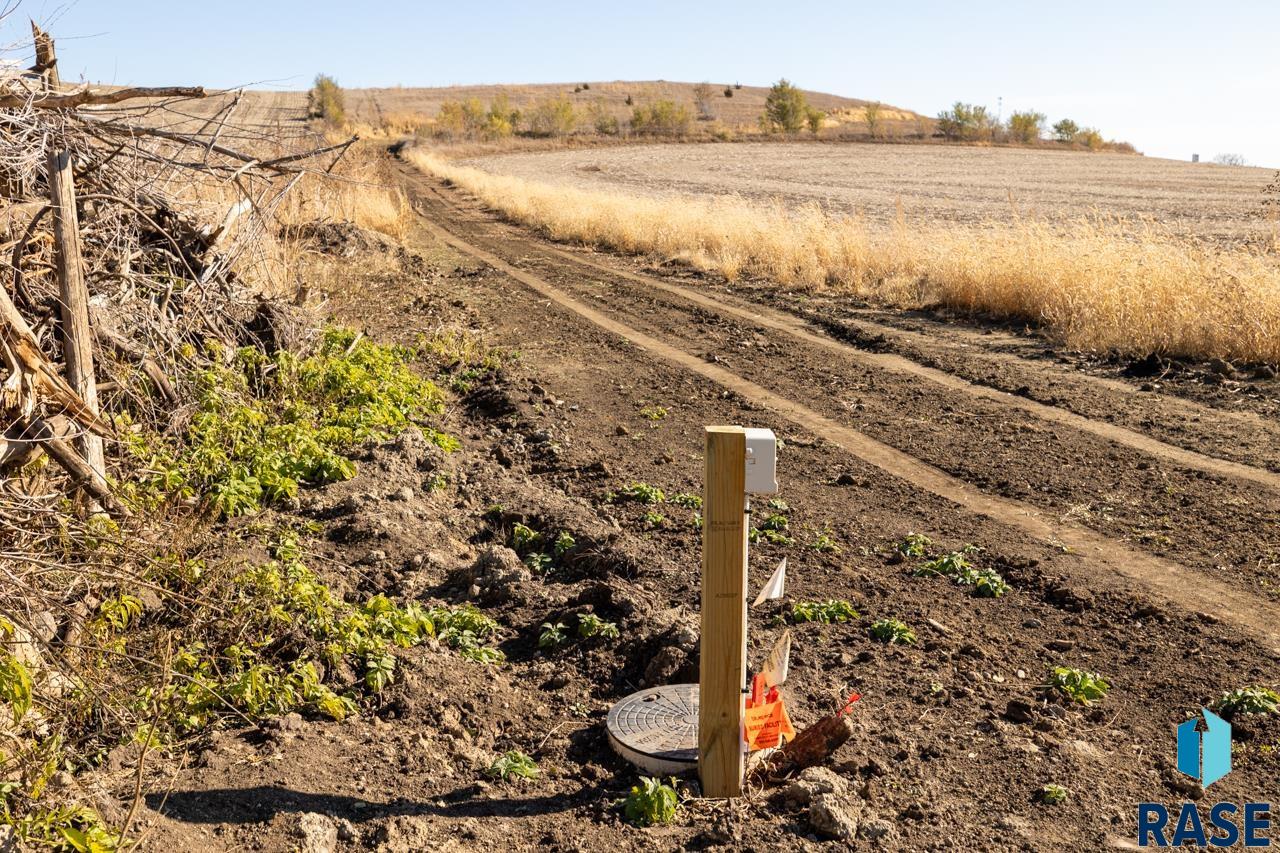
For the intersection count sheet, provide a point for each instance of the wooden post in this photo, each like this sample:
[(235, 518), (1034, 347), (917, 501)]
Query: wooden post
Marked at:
[(723, 651), (77, 337)]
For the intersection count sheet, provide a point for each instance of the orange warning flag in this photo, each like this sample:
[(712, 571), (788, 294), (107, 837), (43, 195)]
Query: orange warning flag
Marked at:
[(767, 724)]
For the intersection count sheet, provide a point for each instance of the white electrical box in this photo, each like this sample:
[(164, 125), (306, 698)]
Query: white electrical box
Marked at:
[(762, 461)]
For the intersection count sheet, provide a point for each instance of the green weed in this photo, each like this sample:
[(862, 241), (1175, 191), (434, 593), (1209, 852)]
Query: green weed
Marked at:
[(651, 803), (1248, 700), (591, 625), (687, 500), (513, 763), (642, 493), (892, 631), (1078, 685), (1053, 794), (825, 612), (915, 545)]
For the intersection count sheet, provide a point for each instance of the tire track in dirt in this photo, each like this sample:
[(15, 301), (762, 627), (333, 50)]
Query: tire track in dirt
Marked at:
[(778, 321), (1102, 556)]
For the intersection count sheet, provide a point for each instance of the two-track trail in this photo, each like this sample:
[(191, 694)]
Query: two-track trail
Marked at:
[(1196, 530)]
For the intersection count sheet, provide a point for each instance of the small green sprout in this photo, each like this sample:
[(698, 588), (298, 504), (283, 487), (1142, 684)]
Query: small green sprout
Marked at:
[(564, 543), (892, 631), (552, 636), (1053, 794), (653, 518), (915, 545), (591, 625), (825, 544), (1078, 685), (513, 763), (523, 538), (651, 803), (687, 500), (825, 612), (642, 493), (653, 413), (537, 563)]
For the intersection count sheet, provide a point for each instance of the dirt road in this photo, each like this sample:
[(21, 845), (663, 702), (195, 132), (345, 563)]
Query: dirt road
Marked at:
[(1137, 530)]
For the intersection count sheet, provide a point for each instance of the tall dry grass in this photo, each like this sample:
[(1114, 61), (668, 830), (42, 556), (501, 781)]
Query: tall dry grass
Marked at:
[(1094, 284)]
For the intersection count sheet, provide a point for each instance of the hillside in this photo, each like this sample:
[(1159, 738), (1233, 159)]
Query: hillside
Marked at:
[(373, 106)]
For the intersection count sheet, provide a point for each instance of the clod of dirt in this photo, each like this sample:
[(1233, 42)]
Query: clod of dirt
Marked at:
[(408, 834), (499, 575), (413, 449), (835, 816), (318, 832), (812, 783)]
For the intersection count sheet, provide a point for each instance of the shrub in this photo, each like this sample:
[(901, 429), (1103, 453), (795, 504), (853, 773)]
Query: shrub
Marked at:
[(651, 803), (702, 95), (871, 115), (602, 120), (325, 101), (1027, 126), (665, 118), (814, 119), (967, 122), (1066, 130), (785, 109), (1229, 160), (1090, 138), (728, 92), (552, 117), (501, 120)]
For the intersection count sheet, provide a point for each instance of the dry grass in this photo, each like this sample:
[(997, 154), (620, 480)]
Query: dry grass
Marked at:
[(1093, 283)]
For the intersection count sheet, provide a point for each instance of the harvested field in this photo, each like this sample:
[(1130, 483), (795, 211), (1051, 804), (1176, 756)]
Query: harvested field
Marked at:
[(932, 183)]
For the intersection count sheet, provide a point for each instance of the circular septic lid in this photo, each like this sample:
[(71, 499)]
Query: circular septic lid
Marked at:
[(657, 729)]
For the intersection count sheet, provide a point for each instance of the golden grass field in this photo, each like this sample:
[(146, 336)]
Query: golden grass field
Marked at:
[(1092, 277)]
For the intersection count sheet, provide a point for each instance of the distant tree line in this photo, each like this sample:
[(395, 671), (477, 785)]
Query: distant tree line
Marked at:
[(975, 123)]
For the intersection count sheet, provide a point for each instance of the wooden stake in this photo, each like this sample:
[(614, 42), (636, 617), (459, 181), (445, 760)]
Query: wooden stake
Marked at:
[(723, 654), (77, 336)]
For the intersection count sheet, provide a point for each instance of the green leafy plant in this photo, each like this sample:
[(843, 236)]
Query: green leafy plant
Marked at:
[(653, 413), (1078, 685), (687, 500), (1248, 700), (956, 565), (538, 563), (642, 493), (513, 763), (779, 504), (553, 635), (1053, 794), (651, 803), (524, 538), (591, 625), (825, 612), (564, 543), (915, 545), (892, 631), (825, 544), (655, 519)]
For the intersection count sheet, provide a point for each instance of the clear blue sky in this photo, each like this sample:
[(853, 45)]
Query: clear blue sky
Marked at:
[(1171, 77)]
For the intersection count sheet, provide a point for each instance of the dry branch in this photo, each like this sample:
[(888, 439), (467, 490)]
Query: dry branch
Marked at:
[(86, 97)]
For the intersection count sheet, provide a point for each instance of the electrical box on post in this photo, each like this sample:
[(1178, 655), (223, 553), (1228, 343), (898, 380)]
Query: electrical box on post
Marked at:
[(762, 461)]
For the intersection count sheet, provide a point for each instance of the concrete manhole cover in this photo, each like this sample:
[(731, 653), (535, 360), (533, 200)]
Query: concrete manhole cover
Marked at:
[(657, 729)]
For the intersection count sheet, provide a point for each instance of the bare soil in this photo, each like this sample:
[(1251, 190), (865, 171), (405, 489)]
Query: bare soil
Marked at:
[(948, 183), (1138, 529)]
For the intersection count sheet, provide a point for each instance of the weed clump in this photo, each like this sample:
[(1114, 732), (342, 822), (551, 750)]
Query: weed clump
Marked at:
[(892, 631), (651, 803), (824, 612), (265, 425), (513, 763), (1247, 700)]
